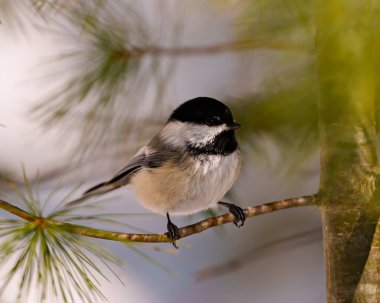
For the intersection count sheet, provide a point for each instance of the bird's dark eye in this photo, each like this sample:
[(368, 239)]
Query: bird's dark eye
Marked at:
[(215, 120)]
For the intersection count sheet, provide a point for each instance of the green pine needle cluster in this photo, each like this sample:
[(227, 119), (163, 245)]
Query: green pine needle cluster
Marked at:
[(47, 260)]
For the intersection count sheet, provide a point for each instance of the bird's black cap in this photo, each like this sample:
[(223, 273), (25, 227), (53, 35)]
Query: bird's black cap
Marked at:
[(203, 110)]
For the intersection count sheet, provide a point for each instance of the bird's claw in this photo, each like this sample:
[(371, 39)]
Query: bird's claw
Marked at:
[(237, 211), (173, 232)]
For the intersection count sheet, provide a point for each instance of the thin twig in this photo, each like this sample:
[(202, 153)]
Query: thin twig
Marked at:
[(16, 211), (160, 238)]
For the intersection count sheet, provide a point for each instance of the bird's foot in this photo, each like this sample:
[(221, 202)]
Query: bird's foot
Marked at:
[(237, 211), (173, 232)]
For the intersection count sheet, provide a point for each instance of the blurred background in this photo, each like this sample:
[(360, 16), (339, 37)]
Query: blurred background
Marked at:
[(83, 84)]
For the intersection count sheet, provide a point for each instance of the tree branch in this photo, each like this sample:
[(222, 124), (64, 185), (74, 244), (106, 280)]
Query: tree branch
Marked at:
[(16, 211), (158, 238)]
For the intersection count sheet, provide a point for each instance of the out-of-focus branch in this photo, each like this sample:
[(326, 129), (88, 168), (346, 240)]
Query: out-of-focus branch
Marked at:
[(242, 261), (207, 49), (158, 238)]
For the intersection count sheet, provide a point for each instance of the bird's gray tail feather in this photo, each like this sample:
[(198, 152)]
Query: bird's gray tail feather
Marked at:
[(97, 190)]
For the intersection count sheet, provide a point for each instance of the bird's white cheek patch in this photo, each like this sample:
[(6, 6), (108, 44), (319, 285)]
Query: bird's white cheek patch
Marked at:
[(201, 135), (172, 134), (179, 134)]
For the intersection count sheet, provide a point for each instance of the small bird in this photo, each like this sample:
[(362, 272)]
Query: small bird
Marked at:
[(187, 167)]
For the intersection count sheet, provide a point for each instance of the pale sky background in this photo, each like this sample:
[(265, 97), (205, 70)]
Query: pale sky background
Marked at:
[(19, 60), (283, 273)]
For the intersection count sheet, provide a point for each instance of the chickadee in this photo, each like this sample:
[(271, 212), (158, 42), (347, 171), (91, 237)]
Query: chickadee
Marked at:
[(187, 167)]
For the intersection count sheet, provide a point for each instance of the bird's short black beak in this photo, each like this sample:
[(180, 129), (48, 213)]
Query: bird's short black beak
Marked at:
[(234, 125)]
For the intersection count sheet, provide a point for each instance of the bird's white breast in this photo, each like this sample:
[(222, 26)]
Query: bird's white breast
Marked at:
[(189, 187)]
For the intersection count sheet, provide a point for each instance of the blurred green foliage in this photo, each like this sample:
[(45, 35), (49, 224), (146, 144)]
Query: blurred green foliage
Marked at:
[(113, 61), (109, 60), (284, 108), (101, 73)]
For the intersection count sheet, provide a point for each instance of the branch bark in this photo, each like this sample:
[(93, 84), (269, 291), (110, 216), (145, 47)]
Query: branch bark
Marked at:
[(158, 238)]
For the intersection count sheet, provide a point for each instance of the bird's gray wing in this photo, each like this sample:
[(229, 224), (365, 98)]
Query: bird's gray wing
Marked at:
[(123, 176), (119, 179), (145, 157)]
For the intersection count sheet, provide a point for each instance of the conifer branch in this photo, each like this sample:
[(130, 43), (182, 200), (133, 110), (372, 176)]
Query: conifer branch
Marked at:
[(158, 238)]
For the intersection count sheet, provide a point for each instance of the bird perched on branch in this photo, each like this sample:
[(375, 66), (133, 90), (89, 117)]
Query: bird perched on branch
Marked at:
[(187, 167)]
